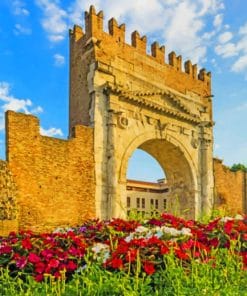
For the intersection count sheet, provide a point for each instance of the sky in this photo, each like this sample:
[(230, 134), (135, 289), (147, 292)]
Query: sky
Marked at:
[(34, 61)]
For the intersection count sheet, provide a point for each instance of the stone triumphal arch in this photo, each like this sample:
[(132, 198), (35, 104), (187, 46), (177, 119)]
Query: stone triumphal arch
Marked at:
[(134, 99)]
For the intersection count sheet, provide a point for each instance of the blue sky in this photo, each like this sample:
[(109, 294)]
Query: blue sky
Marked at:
[(34, 60)]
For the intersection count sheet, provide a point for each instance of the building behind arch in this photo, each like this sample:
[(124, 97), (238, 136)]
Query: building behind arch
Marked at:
[(121, 98)]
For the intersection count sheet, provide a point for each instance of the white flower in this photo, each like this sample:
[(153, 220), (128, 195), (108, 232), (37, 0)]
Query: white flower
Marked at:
[(99, 247), (141, 229), (225, 219), (129, 237), (186, 231), (239, 217)]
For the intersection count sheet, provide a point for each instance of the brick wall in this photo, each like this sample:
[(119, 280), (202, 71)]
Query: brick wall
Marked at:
[(230, 188), (55, 178), (8, 200)]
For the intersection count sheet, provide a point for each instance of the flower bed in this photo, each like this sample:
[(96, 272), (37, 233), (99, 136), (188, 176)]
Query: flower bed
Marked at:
[(125, 246)]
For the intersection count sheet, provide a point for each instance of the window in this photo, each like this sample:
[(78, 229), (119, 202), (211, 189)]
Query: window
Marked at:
[(151, 203), (138, 202), (164, 204), (143, 203), (128, 202), (156, 204)]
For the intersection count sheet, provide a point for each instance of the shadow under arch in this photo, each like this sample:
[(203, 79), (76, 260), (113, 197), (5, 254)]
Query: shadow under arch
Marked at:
[(175, 160)]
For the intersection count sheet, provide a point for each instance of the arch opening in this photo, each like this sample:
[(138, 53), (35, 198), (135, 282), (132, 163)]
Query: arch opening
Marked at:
[(146, 186), (177, 194)]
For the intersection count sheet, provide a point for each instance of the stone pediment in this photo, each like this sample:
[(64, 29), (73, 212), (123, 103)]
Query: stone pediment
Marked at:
[(162, 102)]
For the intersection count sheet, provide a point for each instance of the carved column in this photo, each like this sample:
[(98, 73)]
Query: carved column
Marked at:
[(206, 167), (111, 163)]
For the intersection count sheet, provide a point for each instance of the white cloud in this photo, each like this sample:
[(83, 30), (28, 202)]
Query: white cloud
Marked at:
[(225, 37), (51, 132), (226, 50), (240, 65), (243, 30), (20, 30), (19, 8), (218, 19), (236, 49), (54, 20), (9, 102), (59, 60), (178, 23), (37, 110)]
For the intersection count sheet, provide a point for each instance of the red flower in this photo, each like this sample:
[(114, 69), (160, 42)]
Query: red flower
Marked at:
[(214, 242), (131, 255), (57, 274), (39, 267), (5, 250), (164, 250), (181, 255), (228, 226), (53, 263), (26, 243), (71, 265), (33, 258), (39, 278), (149, 268), (117, 263), (47, 254)]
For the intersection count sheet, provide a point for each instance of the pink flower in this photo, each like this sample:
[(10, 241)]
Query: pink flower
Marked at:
[(21, 262), (33, 258)]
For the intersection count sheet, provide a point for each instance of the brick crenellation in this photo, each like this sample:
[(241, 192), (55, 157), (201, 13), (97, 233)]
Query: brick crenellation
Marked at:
[(94, 29)]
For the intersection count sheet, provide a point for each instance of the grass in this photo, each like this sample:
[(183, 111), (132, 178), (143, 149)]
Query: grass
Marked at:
[(223, 276), (220, 274)]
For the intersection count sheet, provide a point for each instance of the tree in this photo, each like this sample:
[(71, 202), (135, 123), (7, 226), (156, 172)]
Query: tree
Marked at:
[(238, 167)]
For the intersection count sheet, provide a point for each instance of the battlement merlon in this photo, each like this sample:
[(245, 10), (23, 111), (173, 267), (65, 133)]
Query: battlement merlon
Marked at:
[(113, 43)]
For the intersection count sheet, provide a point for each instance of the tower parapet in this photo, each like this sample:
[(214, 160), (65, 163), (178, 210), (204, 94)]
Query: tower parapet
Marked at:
[(110, 46), (116, 31)]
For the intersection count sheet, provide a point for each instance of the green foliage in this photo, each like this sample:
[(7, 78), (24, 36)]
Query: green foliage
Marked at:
[(238, 167), (223, 276)]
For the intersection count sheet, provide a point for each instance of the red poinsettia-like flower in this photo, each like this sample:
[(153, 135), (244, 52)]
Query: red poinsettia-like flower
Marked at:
[(5, 250), (53, 263), (117, 263), (26, 243), (228, 226), (148, 268), (33, 258), (39, 267), (71, 265)]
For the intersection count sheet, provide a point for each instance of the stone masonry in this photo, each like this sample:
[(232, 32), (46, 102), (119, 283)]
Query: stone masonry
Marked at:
[(55, 178), (121, 99), (136, 100), (230, 189)]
